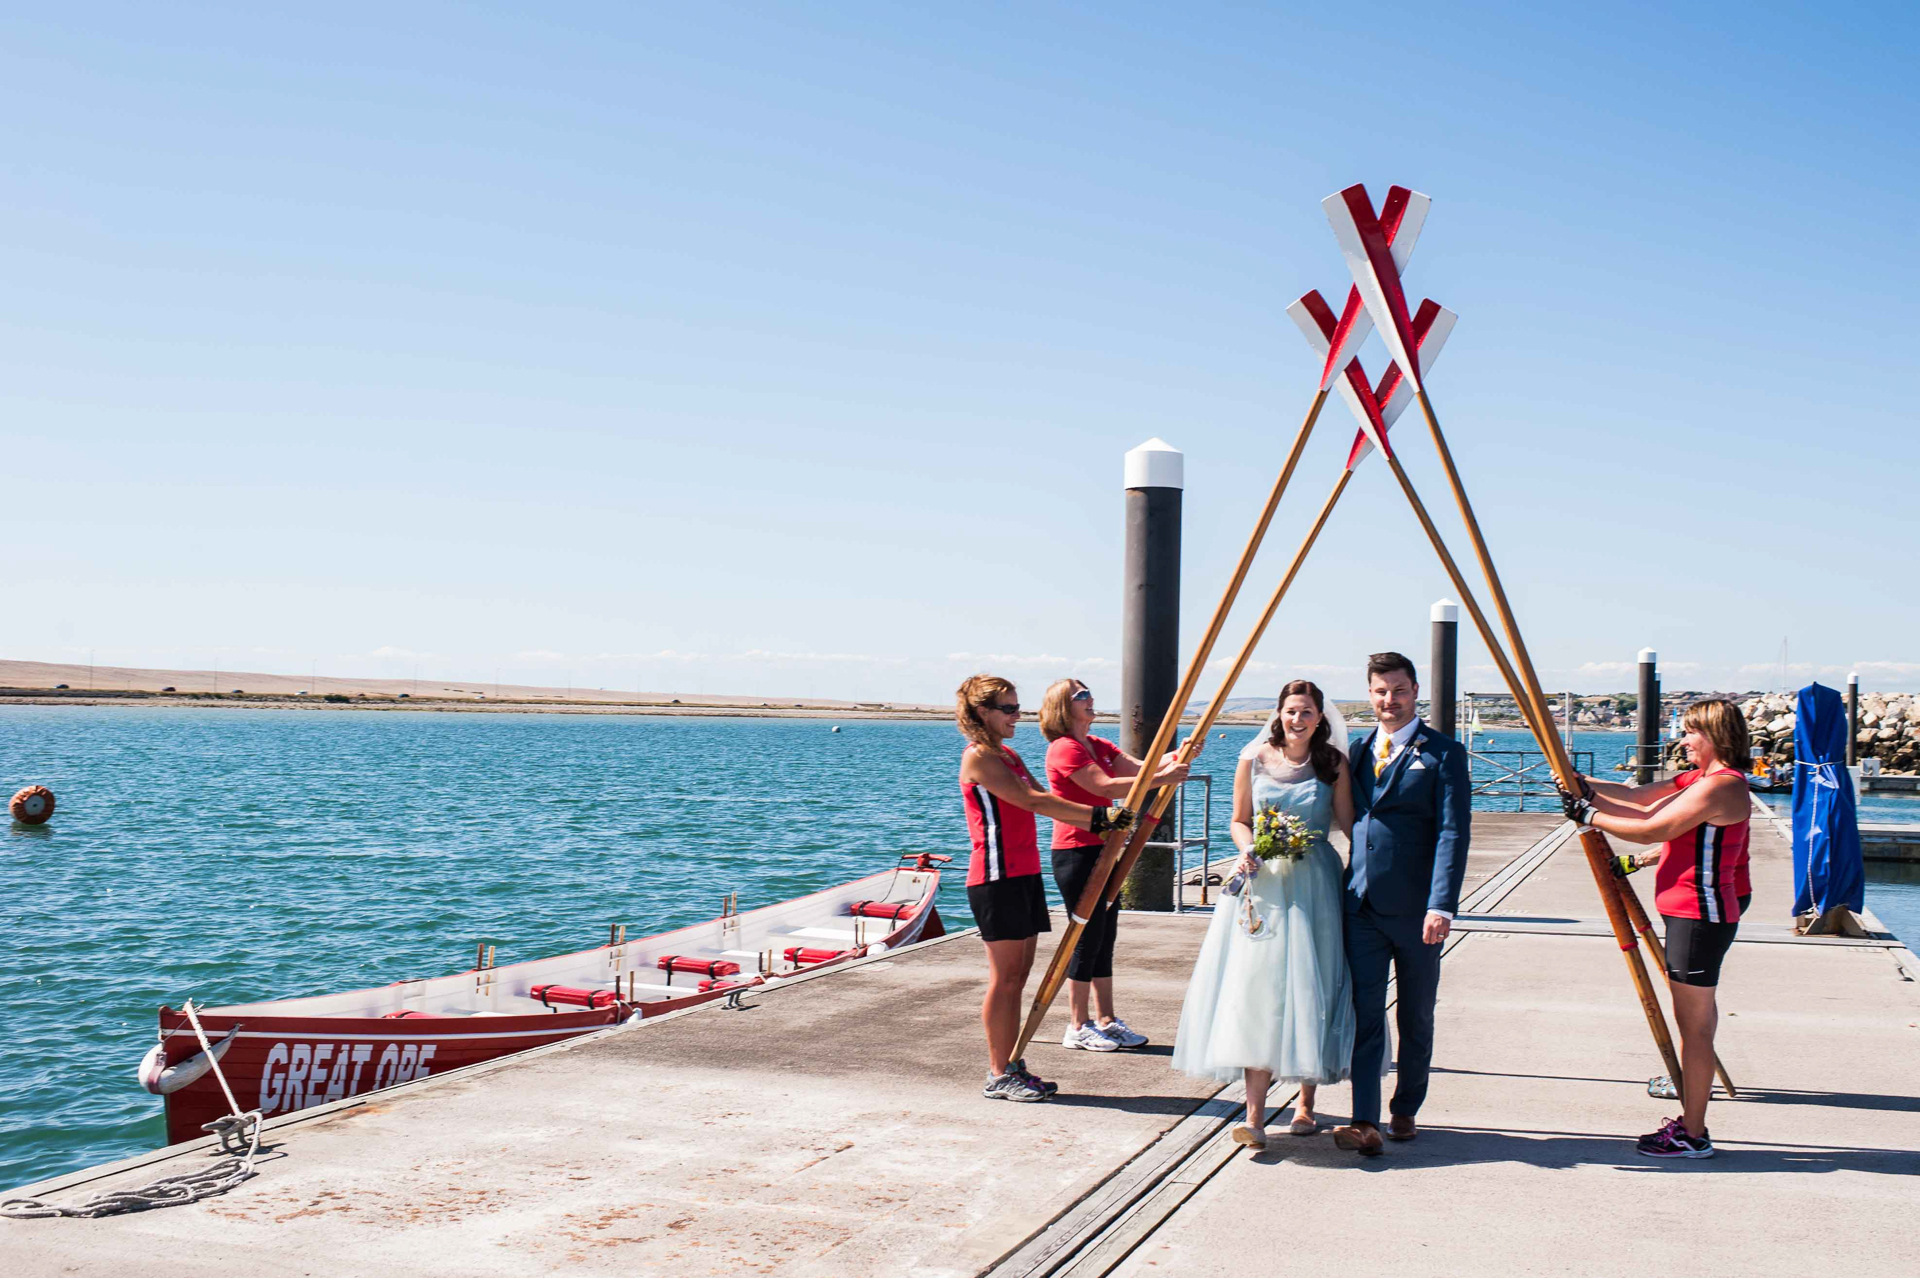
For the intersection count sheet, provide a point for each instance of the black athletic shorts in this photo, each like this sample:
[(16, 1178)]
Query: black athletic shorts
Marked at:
[(1093, 956), (1010, 909), (1696, 948)]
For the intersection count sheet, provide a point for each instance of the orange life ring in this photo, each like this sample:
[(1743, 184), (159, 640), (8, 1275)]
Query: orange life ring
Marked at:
[(32, 806)]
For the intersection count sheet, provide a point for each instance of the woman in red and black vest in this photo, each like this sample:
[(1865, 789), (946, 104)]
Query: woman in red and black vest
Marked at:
[(1004, 887), (1702, 888)]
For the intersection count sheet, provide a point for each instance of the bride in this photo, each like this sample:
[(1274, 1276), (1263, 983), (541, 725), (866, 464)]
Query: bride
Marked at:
[(1271, 994)]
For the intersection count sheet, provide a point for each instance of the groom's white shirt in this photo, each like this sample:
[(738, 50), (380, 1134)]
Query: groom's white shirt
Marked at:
[(1395, 744)]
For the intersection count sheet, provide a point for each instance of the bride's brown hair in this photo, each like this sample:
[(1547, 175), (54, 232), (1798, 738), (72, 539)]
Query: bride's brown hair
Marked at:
[(1320, 752)]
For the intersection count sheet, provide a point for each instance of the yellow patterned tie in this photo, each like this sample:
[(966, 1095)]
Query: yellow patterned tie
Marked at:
[(1382, 753)]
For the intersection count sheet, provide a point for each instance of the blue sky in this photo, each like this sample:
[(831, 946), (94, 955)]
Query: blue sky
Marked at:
[(793, 349)]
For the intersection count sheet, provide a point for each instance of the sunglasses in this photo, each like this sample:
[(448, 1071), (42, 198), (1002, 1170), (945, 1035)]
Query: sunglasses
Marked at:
[(1085, 694), (1011, 707)]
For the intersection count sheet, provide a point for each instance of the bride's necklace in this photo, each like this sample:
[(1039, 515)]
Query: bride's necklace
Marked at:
[(1287, 760)]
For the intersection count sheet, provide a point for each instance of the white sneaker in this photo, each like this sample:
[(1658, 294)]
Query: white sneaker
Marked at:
[(1119, 1035), (1089, 1038)]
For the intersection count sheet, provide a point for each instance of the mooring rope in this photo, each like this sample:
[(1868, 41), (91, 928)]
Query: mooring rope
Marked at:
[(239, 1139)]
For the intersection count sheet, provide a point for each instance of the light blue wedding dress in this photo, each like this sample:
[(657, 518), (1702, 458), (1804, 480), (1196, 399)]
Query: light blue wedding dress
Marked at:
[(1282, 1000)]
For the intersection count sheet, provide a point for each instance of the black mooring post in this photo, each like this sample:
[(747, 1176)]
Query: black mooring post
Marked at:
[(1647, 742), (1853, 719), (1155, 476), (1443, 673)]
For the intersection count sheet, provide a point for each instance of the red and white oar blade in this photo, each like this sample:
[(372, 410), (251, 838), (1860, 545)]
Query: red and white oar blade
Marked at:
[(1401, 218), (1369, 254), (1318, 325), (1366, 410), (1315, 319), (1432, 325)]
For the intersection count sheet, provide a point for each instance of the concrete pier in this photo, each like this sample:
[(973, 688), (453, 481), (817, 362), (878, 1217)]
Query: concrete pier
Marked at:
[(837, 1128)]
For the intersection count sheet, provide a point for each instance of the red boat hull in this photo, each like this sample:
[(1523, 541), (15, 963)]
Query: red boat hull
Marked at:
[(283, 1064)]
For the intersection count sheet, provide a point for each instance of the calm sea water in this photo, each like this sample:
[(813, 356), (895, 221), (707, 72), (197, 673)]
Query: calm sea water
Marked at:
[(238, 855)]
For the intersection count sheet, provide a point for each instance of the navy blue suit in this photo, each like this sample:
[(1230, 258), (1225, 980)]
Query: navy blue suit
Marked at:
[(1410, 830)]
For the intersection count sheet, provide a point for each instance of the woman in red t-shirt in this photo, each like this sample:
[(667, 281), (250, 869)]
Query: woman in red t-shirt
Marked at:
[(1008, 899), (1092, 770), (1700, 820)]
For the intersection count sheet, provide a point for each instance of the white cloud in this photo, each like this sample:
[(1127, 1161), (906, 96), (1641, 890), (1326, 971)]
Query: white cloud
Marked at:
[(1305, 670), (391, 653), (749, 655), (1598, 669), (1037, 659)]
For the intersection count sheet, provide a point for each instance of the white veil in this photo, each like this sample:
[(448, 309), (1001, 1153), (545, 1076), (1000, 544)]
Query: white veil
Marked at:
[(1336, 729)]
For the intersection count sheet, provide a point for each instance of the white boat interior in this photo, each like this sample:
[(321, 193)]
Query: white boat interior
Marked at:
[(735, 948)]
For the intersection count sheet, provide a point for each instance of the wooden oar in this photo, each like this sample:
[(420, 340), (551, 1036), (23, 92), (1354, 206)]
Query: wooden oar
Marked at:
[(1163, 797), (1596, 856), (1537, 714), (1117, 842), (1366, 244), (1610, 884)]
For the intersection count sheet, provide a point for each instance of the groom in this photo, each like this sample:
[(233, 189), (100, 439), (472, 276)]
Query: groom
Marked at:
[(1411, 804)]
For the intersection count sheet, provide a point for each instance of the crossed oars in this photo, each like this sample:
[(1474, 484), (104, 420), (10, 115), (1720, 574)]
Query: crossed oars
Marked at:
[(1403, 214), (1365, 241)]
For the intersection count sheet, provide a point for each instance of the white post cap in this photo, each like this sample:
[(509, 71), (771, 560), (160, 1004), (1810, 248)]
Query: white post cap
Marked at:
[(1445, 610), (1648, 656), (1854, 677), (1156, 464)]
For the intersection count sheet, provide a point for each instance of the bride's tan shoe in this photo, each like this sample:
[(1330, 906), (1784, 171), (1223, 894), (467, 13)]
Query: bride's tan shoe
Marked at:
[(1252, 1137), (1303, 1126)]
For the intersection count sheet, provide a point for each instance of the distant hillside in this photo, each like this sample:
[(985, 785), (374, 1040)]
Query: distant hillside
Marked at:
[(1237, 705)]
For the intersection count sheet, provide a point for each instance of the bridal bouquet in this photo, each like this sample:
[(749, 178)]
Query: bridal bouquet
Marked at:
[(1277, 835)]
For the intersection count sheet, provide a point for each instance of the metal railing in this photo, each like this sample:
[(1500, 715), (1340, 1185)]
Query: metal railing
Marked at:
[(1637, 756), (1181, 840), (1519, 774)]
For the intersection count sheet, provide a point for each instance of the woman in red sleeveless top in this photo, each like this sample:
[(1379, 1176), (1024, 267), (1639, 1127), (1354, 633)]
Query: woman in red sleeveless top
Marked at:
[(1703, 885), (1090, 769), (1004, 887)]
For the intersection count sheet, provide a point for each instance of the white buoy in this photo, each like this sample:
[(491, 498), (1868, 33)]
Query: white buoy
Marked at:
[(836, 727)]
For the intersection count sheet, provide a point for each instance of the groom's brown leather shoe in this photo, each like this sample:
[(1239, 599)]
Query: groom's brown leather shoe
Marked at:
[(1361, 1138), (1401, 1128)]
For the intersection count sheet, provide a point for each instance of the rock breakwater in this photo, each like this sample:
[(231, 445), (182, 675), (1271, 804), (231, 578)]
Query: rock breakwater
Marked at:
[(1889, 730)]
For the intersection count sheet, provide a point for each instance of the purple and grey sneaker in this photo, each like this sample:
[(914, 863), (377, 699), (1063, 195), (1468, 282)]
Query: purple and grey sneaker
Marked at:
[(1672, 1141), (1020, 1067), (1014, 1086)]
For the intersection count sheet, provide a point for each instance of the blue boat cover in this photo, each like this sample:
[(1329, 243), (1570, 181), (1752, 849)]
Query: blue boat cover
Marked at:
[(1827, 869)]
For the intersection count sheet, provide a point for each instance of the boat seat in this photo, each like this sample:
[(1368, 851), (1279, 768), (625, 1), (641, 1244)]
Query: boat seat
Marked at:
[(833, 933)]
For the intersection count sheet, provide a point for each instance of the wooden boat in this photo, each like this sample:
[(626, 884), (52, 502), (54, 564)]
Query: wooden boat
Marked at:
[(290, 1054)]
